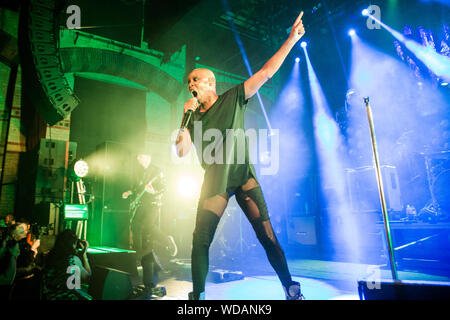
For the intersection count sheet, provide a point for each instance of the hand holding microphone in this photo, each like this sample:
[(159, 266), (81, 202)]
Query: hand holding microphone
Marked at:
[(189, 107)]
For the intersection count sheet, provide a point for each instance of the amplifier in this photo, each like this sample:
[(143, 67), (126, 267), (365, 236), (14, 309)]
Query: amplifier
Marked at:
[(363, 189), (302, 230)]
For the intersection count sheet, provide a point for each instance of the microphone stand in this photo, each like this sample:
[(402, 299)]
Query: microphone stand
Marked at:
[(381, 190)]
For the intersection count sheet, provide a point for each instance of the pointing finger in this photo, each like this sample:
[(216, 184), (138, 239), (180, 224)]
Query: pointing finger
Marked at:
[(298, 18)]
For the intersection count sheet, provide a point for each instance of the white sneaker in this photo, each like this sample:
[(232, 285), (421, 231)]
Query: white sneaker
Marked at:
[(294, 292)]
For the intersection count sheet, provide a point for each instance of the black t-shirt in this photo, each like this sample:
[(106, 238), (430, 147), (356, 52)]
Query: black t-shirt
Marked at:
[(221, 144)]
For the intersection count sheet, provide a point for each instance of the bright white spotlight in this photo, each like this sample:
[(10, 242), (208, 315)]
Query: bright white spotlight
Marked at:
[(352, 32), (297, 59), (303, 44), (365, 12), (187, 186), (444, 84), (81, 168)]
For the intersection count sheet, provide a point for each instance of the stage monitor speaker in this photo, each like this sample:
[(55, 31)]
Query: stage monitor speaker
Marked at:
[(220, 275), (110, 284), (119, 259), (363, 189), (403, 290)]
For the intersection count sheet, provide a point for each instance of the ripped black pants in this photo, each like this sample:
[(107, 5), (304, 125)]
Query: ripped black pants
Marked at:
[(254, 207)]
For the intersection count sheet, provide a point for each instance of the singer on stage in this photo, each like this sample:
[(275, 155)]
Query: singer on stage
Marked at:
[(223, 179)]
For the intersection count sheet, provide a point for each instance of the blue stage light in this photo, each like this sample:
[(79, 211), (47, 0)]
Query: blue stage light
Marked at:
[(329, 142), (365, 12), (351, 32), (297, 59), (303, 44)]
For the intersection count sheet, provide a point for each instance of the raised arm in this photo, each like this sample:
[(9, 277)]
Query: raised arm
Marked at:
[(256, 81), (83, 262)]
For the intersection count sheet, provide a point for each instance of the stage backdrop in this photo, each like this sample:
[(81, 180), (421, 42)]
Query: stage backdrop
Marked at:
[(109, 126), (107, 112)]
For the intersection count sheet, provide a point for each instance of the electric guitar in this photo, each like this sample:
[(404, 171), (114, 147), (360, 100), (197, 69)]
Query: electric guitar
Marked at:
[(134, 204)]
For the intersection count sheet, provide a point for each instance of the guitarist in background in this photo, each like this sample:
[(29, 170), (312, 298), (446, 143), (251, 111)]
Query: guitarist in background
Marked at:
[(145, 202)]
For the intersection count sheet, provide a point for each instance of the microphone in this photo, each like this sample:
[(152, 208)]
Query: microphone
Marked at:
[(188, 115)]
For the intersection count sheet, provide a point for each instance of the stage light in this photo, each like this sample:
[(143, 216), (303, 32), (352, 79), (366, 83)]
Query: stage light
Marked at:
[(351, 32), (297, 59), (444, 84), (331, 163), (187, 186), (365, 12), (81, 168), (303, 44)]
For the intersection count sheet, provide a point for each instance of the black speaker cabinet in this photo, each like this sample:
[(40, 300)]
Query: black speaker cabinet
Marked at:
[(114, 258), (110, 284), (403, 290), (113, 167), (54, 157)]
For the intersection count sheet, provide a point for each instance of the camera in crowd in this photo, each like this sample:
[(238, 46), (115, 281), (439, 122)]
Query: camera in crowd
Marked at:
[(81, 246)]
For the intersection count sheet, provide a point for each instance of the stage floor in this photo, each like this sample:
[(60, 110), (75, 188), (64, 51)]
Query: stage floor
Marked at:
[(320, 280), (256, 288)]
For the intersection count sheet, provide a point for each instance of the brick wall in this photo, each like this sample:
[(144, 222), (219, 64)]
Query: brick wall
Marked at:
[(60, 131)]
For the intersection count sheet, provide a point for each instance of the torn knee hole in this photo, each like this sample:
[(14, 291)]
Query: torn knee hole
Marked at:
[(270, 238)]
